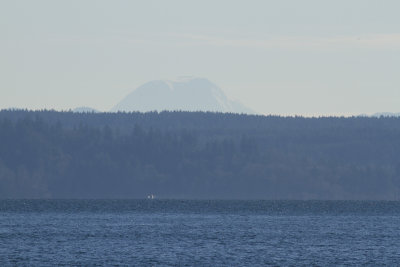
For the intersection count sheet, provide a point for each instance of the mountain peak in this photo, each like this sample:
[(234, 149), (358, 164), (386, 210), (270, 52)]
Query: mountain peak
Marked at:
[(185, 93)]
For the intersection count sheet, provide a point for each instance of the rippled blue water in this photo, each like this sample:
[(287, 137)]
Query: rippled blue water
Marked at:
[(193, 233)]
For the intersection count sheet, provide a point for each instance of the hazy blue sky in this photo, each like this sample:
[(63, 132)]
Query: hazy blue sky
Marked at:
[(280, 57)]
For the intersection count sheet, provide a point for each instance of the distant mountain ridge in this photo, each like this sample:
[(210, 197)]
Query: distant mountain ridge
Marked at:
[(185, 94)]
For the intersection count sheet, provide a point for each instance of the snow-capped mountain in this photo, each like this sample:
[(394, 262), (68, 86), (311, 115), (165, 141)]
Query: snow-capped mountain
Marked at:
[(186, 94)]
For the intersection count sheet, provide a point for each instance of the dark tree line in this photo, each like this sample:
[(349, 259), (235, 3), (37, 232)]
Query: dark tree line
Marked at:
[(49, 154)]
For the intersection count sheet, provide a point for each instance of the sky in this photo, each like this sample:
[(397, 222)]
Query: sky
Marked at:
[(309, 57)]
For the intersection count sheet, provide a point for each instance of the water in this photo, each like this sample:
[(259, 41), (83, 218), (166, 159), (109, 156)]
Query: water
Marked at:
[(198, 233)]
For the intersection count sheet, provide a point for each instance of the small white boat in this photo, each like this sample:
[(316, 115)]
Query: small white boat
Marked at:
[(151, 196)]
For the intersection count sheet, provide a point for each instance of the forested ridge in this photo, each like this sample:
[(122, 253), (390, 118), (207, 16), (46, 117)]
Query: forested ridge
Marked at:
[(49, 154)]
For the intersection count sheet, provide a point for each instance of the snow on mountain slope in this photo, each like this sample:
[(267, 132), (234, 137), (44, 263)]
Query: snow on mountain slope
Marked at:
[(186, 94)]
